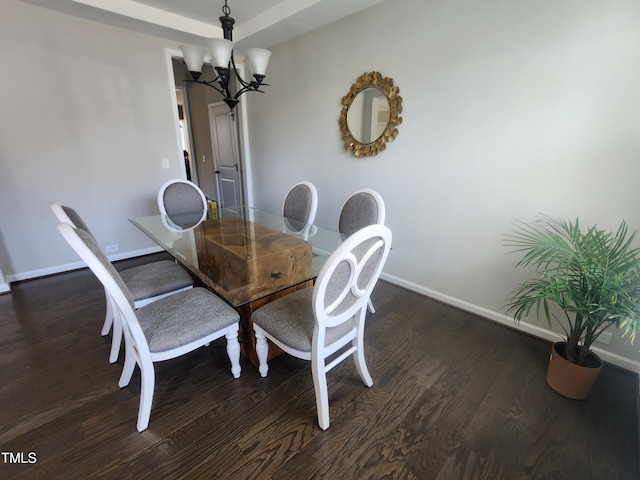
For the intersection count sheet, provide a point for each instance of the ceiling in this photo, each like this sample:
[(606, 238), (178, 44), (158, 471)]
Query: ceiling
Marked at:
[(259, 23)]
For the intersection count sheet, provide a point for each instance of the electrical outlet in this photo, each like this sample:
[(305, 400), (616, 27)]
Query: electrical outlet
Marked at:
[(112, 248), (605, 338), (165, 163)]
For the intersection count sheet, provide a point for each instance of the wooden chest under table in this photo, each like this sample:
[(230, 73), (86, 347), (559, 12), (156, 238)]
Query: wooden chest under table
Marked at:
[(250, 265)]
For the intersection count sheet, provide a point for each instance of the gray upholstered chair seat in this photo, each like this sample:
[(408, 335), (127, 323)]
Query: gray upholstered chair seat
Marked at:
[(178, 320), (291, 320), (153, 279)]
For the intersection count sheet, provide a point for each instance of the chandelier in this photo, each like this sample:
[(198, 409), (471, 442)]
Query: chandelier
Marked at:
[(221, 50)]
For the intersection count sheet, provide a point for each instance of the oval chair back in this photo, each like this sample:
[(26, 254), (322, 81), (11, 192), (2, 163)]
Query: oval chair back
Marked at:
[(179, 197), (301, 203), (363, 207)]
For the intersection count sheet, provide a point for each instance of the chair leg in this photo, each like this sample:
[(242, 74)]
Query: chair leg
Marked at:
[(127, 370), (361, 364), (370, 305), (148, 380), (116, 337), (262, 350), (108, 317), (322, 395), (233, 350)]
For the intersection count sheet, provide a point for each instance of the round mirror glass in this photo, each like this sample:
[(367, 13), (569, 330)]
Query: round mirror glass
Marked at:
[(368, 115)]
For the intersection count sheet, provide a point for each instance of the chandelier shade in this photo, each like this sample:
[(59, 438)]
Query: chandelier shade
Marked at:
[(221, 53), (220, 50), (258, 60), (193, 57)]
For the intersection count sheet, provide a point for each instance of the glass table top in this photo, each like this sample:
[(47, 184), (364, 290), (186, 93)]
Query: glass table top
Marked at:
[(243, 254)]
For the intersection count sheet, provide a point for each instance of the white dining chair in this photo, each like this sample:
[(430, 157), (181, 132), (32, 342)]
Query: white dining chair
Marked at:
[(162, 330), (363, 207), (147, 283), (327, 320)]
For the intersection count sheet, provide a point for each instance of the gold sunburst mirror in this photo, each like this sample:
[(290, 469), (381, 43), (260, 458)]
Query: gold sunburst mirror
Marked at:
[(370, 114)]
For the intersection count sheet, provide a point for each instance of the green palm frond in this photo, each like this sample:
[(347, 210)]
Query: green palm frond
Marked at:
[(593, 275)]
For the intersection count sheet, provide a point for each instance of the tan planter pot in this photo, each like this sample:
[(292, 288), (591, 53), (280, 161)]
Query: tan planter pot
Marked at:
[(568, 379)]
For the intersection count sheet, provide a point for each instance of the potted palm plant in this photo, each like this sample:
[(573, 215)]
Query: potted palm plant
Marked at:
[(592, 275)]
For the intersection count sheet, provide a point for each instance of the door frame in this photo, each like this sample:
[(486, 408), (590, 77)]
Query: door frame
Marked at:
[(189, 138)]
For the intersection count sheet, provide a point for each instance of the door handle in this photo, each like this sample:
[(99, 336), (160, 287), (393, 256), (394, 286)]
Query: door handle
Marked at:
[(217, 172)]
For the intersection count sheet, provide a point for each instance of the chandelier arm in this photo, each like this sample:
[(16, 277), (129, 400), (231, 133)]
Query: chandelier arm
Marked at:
[(242, 81), (209, 84), (246, 89), (224, 85)]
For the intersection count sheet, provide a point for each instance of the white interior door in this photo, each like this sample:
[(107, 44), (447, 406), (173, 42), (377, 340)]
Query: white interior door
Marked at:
[(226, 155)]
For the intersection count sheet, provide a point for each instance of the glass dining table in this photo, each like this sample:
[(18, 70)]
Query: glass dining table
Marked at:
[(246, 256)]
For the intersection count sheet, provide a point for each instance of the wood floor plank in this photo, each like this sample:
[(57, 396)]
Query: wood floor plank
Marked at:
[(454, 397), (362, 438)]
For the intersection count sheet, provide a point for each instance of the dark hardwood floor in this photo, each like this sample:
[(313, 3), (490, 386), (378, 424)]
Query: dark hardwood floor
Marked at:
[(454, 397)]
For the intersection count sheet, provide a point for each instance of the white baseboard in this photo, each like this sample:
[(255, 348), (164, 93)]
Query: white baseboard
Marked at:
[(43, 272), (534, 330), (4, 288)]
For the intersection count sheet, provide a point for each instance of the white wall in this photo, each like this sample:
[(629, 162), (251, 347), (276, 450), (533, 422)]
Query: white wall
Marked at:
[(510, 109), (87, 117), (4, 286)]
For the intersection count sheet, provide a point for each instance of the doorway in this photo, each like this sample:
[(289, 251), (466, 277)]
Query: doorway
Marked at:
[(215, 156)]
